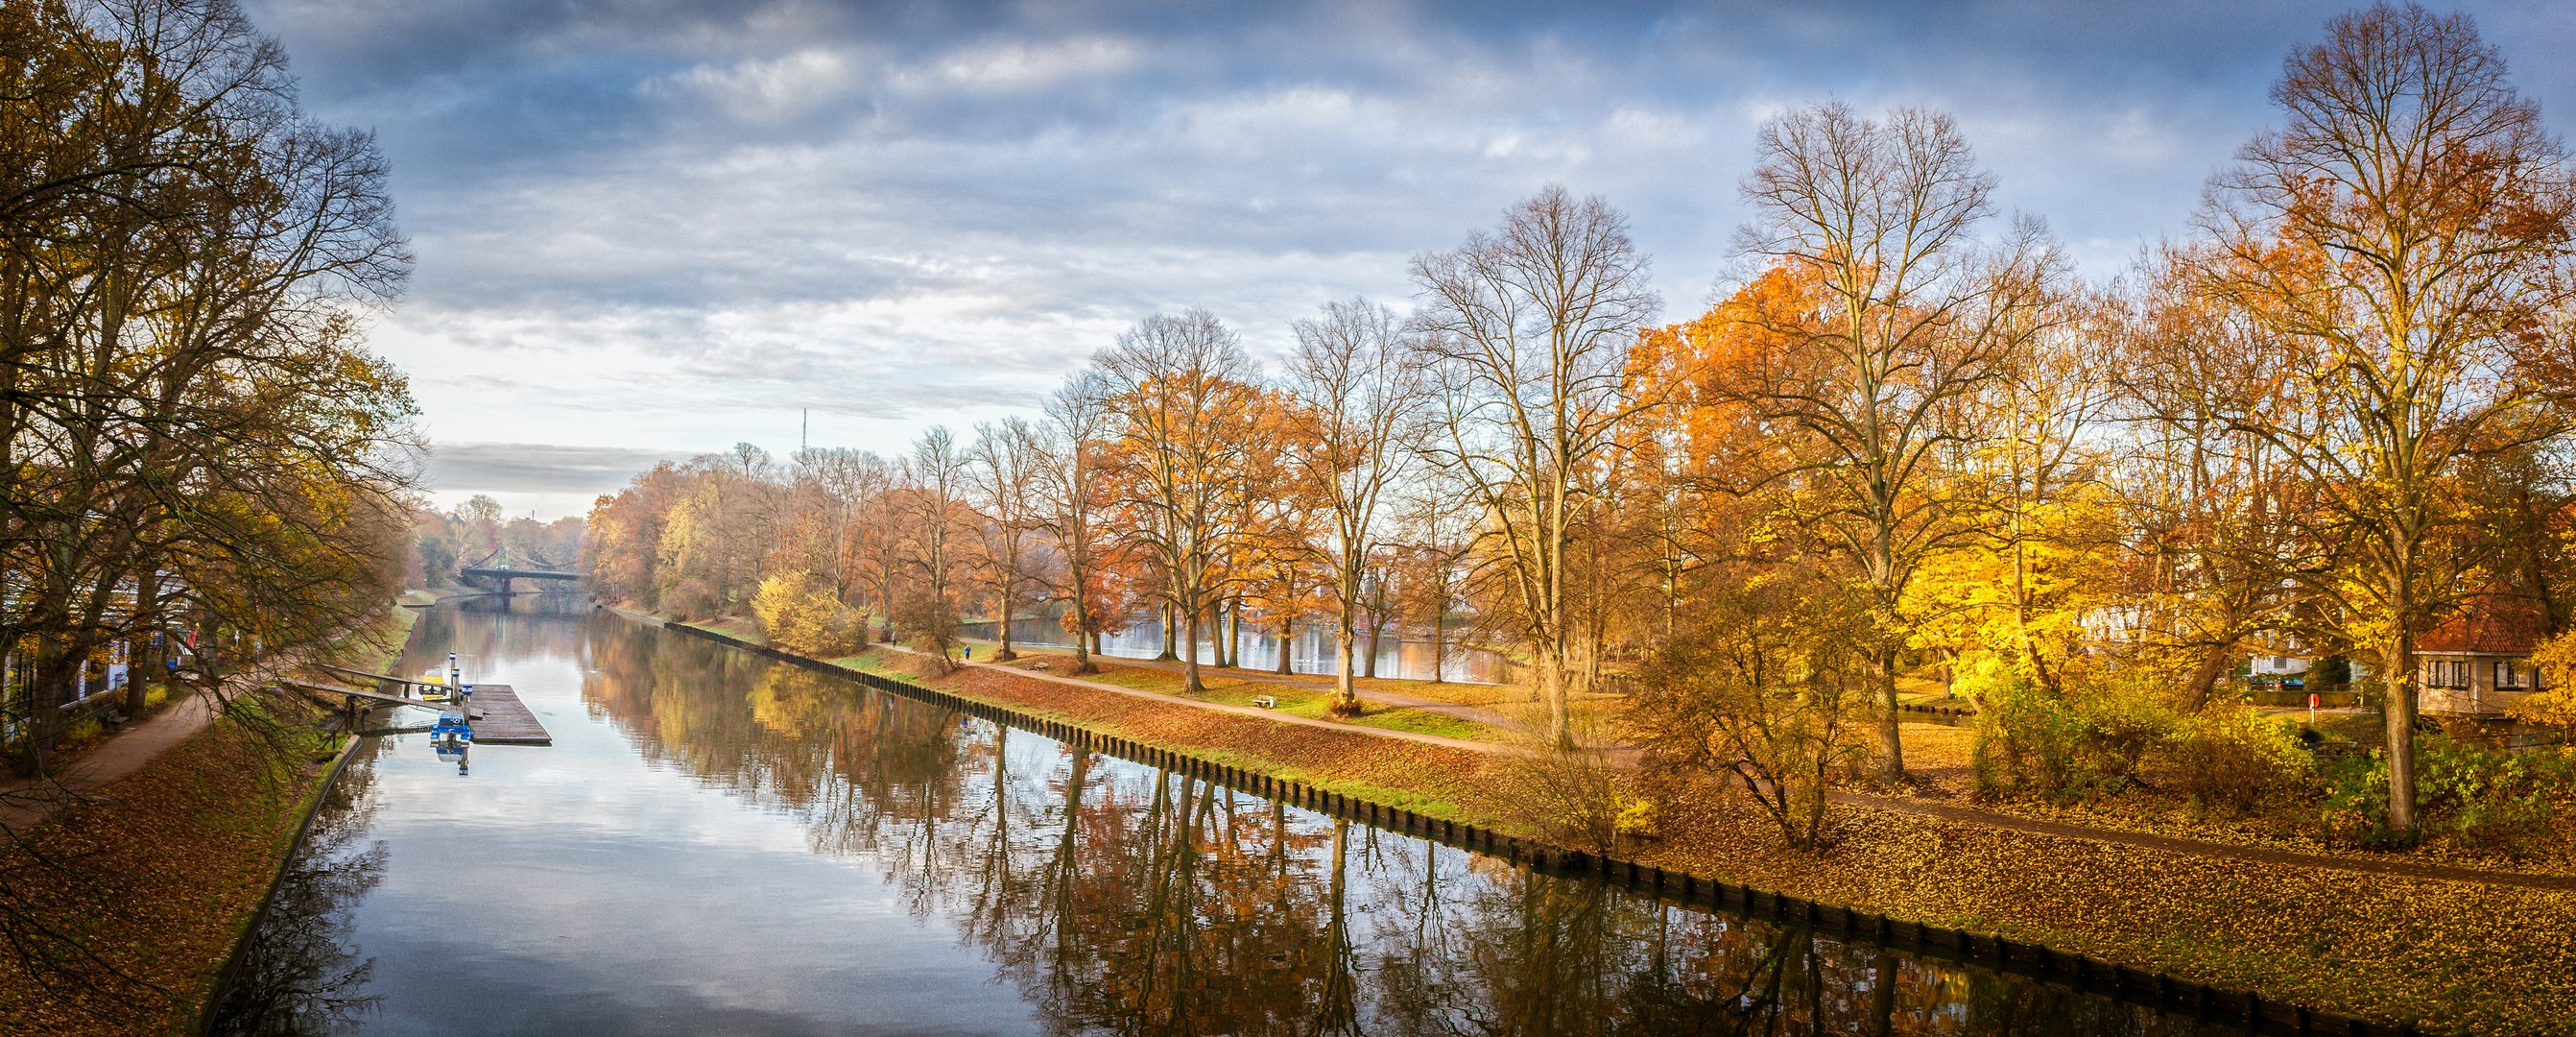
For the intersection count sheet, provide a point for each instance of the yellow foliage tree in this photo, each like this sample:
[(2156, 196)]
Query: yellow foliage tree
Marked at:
[(2555, 703), (799, 612)]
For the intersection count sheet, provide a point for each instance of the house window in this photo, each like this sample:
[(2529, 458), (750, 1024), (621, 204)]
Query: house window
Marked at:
[(2507, 675)]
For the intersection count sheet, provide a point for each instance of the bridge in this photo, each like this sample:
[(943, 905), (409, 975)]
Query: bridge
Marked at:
[(499, 577)]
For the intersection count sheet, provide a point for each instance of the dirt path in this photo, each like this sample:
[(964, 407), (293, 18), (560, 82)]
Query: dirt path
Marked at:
[(1968, 815)]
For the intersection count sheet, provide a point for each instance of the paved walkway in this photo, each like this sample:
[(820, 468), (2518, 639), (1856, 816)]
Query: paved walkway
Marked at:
[(26, 801), (1918, 807)]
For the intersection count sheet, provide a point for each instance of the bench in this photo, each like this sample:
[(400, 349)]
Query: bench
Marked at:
[(1265, 701)]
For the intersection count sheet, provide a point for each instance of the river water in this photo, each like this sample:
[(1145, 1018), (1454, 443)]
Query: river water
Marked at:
[(719, 844)]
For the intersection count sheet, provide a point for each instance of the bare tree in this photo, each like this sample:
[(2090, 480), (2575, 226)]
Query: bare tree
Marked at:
[(1530, 327), (1071, 495), (1356, 390), (2403, 239), (1911, 317), (938, 471), (1003, 474)]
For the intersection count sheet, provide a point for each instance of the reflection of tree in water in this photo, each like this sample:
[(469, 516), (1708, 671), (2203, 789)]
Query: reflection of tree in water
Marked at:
[(1123, 900), (297, 973)]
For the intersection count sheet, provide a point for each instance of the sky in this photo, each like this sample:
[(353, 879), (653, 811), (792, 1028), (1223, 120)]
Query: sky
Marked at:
[(650, 229)]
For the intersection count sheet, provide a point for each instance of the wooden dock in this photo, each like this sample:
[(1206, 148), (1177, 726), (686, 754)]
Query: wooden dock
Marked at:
[(499, 717), (504, 719)]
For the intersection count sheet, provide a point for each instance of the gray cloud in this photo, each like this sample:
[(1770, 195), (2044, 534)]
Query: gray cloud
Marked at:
[(682, 220), (537, 467)]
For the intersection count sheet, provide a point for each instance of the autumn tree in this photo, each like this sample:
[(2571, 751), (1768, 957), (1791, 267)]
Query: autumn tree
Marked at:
[(1530, 326), (1759, 694), (2222, 531), (934, 522), (1181, 389), (2403, 238), (1913, 316), (188, 417)]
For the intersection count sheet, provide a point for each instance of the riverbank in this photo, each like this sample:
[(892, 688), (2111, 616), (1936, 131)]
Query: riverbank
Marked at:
[(2448, 955), (127, 905)]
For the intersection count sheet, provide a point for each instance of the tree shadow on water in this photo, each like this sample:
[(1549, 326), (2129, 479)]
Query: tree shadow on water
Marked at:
[(298, 974)]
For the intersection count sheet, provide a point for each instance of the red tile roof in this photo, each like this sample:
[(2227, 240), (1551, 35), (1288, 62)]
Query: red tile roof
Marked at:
[(2490, 626)]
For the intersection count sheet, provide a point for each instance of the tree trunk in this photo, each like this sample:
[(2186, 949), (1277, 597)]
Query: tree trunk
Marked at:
[(1439, 646), (145, 658), (1287, 632), (1172, 636), (44, 693), (1560, 729), (1345, 686), (1004, 653), (2397, 707), (1377, 630), (1891, 730), (1190, 682), (1082, 636), (2204, 678), (1234, 634)]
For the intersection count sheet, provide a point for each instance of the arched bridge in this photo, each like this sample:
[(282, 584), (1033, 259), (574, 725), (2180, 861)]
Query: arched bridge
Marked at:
[(499, 577)]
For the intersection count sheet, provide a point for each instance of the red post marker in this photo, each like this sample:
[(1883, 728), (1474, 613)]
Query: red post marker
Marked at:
[(2312, 707)]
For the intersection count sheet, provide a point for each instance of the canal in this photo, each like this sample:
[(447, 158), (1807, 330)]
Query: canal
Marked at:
[(720, 844)]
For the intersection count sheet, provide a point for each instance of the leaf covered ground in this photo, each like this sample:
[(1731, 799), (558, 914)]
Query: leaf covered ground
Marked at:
[(2455, 956), (120, 911)]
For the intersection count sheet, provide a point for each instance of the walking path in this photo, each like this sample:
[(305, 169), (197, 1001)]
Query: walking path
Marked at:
[(26, 801), (1923, 808), (2203, 848)]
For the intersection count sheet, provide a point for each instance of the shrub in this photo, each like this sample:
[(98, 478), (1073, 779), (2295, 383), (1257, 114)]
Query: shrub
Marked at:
[(2036, 743), (2229, 761), (929, 625), (1766, 696), (1573, 797), (2481, 797)]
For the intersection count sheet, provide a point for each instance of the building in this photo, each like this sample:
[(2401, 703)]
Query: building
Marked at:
[(2479, 661)]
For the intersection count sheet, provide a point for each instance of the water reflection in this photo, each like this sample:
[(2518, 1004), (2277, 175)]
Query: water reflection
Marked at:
[(942, 873), (299, 974)]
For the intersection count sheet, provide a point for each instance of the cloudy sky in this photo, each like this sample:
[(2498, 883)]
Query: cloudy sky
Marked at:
[(654, 228)]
